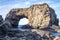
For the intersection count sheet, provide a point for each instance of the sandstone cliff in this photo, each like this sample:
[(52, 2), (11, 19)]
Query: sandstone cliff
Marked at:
[(39, 15)]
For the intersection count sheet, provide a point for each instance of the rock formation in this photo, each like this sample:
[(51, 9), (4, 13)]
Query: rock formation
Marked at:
[(4, 26), (27, 34), (39, 16), (1, 19)]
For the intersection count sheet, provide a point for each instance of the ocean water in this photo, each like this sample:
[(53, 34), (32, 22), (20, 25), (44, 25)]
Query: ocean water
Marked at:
[(19, 26), (54, 34)]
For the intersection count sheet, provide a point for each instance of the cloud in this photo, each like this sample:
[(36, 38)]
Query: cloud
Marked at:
[(55, 5), (27, 2), (33, 0)]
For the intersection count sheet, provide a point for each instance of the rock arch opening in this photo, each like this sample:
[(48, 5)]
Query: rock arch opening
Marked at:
[(22, 22)]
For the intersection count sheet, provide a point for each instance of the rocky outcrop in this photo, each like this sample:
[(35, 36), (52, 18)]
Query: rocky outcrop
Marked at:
[(4, 26), (1, 19), (39, 16), (28, 34)]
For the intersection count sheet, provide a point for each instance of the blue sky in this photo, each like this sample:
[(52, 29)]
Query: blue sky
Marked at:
[(7, 5)]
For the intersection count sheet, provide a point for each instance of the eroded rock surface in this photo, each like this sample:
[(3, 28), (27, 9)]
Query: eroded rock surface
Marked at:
[(39, 16), (8, 33), (29, 34)]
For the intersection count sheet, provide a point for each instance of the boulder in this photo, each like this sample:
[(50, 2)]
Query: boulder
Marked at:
[(55, 28), (39, 16), (57, 38)]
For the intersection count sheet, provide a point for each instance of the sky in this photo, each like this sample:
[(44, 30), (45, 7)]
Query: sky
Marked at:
[(7, 5)]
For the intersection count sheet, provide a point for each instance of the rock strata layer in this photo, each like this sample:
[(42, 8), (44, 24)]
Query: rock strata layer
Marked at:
[(39, 16)]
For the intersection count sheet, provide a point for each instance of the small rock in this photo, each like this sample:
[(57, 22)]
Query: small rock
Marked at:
[(57, 38), (6, 38)]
